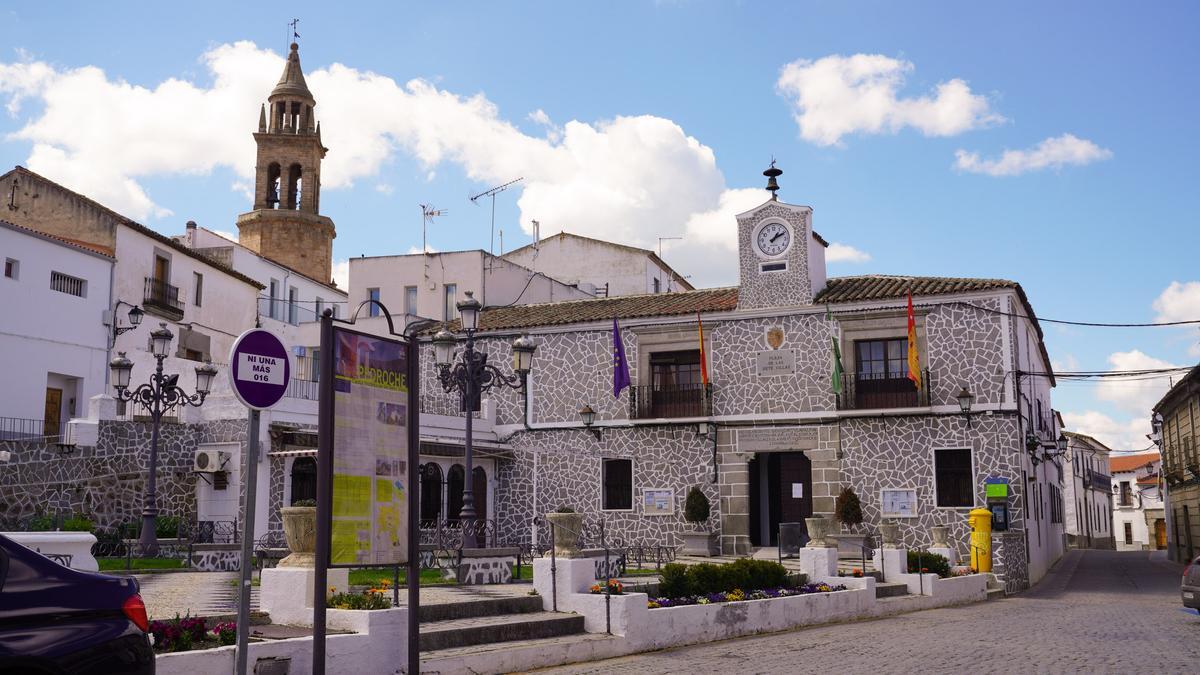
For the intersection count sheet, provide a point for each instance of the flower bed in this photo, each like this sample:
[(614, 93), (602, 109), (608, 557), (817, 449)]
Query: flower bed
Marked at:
[(738, 595), (371, 598), (188, 633)]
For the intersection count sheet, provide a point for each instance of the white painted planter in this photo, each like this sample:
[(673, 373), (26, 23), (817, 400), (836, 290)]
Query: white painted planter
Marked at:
[(699, 543), (78, 545)]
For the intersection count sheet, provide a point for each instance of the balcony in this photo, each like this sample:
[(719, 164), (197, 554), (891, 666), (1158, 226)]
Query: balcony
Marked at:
[(162, 299), (872, 392), (305, 382), (670, 401), (1097, 481)]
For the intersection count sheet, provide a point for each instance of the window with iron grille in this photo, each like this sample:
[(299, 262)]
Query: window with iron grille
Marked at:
[(953, 476), (65, 283), (617, 478)]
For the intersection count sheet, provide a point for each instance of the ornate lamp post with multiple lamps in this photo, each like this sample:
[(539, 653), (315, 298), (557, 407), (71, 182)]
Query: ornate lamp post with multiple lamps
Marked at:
[(470, 376), (161, 395)]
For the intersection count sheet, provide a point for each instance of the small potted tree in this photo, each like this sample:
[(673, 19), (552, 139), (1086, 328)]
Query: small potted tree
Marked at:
[(300, 530), (696, 511), (847, 510)]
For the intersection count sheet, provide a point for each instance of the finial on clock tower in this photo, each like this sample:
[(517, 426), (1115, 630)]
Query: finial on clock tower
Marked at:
[(772, 173)]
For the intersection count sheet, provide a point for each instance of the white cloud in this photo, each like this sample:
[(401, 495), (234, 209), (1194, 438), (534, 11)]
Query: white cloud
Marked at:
[(845, 253), (341, 274), (1181, 302), (1120, 435), (384, 188), (840, 95), (1067, 364), (630, 178), (413, 250), (1134, 395), (1052, 153)]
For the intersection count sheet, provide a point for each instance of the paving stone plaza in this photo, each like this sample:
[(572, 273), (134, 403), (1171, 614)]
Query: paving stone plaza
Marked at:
[(1096, 612)]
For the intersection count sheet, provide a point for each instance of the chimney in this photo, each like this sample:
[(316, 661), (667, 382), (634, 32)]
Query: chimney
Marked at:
[(191, 234)]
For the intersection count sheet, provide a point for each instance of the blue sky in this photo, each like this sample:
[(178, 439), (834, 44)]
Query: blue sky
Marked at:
[(639, 120)]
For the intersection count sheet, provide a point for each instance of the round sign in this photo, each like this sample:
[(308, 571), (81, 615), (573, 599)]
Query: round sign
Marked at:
[(259, 369)]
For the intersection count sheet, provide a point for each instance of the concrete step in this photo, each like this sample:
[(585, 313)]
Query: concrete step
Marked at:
[(446, 611), (995, 593), (438, 635), (890, 589), (506, 657)]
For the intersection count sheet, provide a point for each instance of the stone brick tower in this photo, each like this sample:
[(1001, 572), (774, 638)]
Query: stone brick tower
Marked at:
[(286, 225)]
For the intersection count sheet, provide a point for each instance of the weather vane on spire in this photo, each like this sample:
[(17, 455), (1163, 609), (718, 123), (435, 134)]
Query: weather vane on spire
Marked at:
[(295, 35)]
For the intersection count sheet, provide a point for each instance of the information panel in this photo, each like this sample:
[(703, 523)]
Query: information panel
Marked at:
[(370, 450)]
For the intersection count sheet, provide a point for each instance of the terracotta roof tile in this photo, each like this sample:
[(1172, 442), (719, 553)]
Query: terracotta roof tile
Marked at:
[(602, 309), (1119, 463), (885, 286)]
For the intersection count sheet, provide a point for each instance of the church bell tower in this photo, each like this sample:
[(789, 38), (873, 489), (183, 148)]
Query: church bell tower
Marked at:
[(286, 224)]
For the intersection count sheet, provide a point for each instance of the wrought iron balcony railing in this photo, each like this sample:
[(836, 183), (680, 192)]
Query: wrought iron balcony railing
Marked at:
[(870, 392), (162, 298), (669, 401)]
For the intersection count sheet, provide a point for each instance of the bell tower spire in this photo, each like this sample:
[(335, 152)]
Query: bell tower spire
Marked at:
[(285, 224)]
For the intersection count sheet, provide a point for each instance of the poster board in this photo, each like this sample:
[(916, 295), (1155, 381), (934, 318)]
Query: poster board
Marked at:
[(898, 502), (658, 501), (369, 512)]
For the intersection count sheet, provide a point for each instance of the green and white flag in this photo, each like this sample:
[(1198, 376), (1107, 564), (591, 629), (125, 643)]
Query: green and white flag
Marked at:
[(835, 379)]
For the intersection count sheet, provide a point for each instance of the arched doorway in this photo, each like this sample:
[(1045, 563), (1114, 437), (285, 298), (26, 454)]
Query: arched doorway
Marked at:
[(431, 494), (479, 492), (304, 479), (455, 482)]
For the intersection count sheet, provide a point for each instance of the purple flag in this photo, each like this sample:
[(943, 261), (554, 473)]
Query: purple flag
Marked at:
[(620, 365)]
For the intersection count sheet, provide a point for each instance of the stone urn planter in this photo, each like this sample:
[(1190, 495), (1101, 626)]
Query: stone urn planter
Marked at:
[(300, 530), (567, 527), (890, 534), (941, 536), (699, 543), (817, 529)]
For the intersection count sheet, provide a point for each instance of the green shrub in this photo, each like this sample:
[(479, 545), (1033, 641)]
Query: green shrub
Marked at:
[(565, 509), (708, 578), (751, 575), (78, 523), (41, 523), (697, 508), (304, 502), (848, 509), (673, 581), (933, 563), (166, 527)]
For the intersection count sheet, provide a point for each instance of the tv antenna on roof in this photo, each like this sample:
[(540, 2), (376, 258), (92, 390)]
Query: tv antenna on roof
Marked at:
[(492, 193), (428, 213), (661, 240)]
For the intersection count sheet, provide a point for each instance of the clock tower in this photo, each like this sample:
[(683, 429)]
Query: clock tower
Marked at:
[(286, 224), (781, 259)]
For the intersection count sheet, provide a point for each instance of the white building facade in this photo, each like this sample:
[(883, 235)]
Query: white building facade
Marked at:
[(603, 268), (1088, 498), (1138, 520), (55, 293)]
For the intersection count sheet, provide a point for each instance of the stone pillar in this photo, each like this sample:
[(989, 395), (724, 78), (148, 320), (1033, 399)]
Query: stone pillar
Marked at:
[(287, 592), (818, 563), (735, 496)]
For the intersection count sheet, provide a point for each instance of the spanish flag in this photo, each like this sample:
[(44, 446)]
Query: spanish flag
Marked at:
[(703, 356), (914, 359)]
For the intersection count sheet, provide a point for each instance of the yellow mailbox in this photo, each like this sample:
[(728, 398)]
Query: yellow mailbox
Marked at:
[(980, 521)]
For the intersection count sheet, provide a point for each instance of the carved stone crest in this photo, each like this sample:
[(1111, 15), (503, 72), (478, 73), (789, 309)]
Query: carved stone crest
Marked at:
[(775, 337)]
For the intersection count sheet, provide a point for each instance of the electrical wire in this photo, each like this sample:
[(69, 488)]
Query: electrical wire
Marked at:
[(1093, 324)]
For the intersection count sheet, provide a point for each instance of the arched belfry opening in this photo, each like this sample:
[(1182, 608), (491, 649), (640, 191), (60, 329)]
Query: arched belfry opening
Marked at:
[(285, 224)]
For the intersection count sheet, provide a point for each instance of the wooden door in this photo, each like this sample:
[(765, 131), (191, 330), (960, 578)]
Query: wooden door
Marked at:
[(479, 492), (162, 270), (52, 420), (795, 478), (1160, 534)]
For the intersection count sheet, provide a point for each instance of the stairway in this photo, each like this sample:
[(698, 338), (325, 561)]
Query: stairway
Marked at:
[(995, 588), (455, 629)]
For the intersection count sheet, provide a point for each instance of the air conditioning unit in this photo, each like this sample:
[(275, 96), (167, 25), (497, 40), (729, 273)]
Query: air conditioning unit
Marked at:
[(210, 461)]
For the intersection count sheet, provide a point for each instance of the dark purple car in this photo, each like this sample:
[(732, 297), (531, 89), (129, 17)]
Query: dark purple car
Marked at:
[(54, 619)]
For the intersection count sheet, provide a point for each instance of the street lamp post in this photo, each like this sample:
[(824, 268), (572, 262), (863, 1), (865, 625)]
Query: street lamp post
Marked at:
[(470, 376), (161, 395)]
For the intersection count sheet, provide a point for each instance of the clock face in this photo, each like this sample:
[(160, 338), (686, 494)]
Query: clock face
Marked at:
[(773, 239)]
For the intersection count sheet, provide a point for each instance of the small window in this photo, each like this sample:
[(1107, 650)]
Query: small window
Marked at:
[(293, 306), (955, 484), (65, 283), (273, 311), (11, 268), (617, 484), (373, 294), (410, 300), (657, 285), (1129, 533), (320, 307), (197, 288), (451, 296)]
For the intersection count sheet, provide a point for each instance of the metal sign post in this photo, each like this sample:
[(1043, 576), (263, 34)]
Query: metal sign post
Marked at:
[(259, 374)]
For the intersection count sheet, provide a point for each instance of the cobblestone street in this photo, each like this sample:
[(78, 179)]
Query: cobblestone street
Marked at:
[(1097, 611)]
